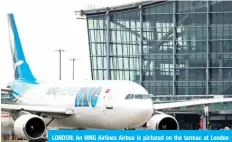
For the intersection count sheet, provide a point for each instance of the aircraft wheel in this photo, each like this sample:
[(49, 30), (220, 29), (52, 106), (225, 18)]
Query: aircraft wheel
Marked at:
[(130, 129), (38, 140)]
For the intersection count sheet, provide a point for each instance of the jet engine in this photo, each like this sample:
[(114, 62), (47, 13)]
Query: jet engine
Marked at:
[(162, 122), (29, 126)]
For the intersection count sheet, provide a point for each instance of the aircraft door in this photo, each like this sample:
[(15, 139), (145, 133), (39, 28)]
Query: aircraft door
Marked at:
[(108, 101)]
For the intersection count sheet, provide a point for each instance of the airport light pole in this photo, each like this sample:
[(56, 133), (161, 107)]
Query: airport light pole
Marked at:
[(73, 65), (60, 51)]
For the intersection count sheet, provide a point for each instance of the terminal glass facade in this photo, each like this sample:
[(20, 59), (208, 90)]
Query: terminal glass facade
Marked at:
[(6, 99), (171, 48)]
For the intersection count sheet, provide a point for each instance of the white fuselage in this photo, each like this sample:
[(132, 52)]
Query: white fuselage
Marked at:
[(112, 110)]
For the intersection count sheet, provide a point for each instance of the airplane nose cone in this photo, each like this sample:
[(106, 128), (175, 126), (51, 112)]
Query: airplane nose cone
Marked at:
[(146, 110), (143, 113)]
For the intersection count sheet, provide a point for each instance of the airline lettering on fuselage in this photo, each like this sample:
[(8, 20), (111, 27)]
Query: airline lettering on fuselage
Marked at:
[(62, 91), (87, 97)]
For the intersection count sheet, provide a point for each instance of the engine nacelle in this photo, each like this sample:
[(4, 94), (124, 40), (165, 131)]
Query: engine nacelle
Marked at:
[(162, 122), (29, 126)]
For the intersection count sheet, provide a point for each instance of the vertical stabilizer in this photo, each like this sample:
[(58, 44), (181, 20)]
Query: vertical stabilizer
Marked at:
[(21, 68)]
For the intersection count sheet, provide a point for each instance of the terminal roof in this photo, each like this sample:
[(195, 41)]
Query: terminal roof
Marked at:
[(118, 8)]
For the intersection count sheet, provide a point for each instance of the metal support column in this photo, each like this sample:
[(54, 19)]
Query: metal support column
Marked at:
[(207, 50), (141, 46), (60, 61), (108, 46), (73, 67), (206, 118), (174, 50)]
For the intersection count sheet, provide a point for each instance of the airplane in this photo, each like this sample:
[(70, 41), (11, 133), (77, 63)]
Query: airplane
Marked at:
[(88, 104)]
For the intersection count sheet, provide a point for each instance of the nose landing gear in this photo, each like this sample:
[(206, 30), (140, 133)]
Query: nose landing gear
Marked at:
[(129, 129)]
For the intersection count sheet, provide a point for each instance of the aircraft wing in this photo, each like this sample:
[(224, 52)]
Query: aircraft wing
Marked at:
[(174, 105), (38, 109)]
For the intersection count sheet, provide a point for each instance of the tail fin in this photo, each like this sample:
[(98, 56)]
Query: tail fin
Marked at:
[(22, 69)]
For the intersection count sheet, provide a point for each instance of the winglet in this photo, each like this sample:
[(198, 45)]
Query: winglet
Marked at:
[(21, 67)]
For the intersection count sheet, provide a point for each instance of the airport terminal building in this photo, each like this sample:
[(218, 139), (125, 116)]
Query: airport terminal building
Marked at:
[(175, 49)]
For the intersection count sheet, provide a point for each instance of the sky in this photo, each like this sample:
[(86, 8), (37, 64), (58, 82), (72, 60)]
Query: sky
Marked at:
[(45, 26)]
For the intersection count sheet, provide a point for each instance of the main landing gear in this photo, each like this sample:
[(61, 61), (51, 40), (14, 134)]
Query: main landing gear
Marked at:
[(129, 129), (39, 140)]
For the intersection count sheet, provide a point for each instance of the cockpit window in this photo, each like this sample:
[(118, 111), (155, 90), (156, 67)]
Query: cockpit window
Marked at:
[(127, 96), (131, 96), (146, 96), (137, 96)]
